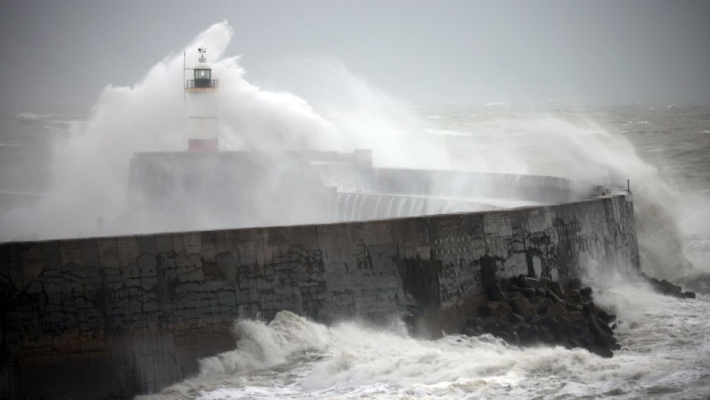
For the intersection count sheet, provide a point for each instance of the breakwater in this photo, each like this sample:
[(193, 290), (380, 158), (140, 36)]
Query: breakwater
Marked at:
[(115, 316)]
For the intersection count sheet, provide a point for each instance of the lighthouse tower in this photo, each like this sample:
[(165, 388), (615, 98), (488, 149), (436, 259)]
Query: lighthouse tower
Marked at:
[(201, 106)]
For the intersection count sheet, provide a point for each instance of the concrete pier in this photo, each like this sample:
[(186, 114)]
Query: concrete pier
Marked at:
[(112, 317)]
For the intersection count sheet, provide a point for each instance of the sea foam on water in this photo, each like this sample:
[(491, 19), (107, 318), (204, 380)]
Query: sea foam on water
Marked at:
[(296, 358)]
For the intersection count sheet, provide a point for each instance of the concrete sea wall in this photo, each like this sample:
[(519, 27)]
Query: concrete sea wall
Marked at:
[(116, 316)]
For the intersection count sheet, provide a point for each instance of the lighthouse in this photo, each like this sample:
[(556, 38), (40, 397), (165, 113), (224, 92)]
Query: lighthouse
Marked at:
[(201, 105)]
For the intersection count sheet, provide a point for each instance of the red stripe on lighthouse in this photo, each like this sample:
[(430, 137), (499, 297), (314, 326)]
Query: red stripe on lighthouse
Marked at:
[(202, 145)]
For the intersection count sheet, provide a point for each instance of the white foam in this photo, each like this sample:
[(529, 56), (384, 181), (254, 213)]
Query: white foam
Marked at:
[(663, 339)]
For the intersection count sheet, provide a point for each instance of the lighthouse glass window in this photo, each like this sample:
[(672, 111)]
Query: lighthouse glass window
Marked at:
[(202, 74)]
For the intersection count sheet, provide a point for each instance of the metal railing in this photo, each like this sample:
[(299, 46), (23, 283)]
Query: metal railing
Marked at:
[(201, 84)]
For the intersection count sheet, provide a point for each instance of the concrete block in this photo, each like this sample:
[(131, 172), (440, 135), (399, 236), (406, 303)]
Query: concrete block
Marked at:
[(210, 245), (89, 253), (50, 253), (127, 250), (32, 265), (189, 268), (497, 224), (247, 253), (108, 253), (192, 243), (70, 252), (163, 243), (146, 244), (147, 265)]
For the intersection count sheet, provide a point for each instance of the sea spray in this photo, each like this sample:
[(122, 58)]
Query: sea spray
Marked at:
[(308, 360), (582, 149), (365, 116), (89, 170), (545, 140)]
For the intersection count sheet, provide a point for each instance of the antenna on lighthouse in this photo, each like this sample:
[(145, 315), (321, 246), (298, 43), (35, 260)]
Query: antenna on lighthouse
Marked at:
[(202, 51), (184, 68)]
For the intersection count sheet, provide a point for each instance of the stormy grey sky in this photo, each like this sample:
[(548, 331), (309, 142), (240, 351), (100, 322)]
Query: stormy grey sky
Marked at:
[(61, 54)]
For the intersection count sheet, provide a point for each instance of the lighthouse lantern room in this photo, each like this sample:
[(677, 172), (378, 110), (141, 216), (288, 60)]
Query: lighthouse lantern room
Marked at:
[(202, 75)]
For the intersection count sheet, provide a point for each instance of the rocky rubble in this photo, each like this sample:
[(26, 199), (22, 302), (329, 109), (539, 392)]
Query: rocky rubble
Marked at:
[(668, 288), (698, 282), (526, 311)]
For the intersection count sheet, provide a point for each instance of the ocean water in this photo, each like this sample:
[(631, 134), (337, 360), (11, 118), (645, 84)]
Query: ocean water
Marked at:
[(59, 172), (665, 348)]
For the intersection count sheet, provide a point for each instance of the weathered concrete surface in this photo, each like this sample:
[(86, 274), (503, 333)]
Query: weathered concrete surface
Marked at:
[(112, 317)]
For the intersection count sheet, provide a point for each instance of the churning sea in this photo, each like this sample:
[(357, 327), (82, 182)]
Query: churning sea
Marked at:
[(664, 152)]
